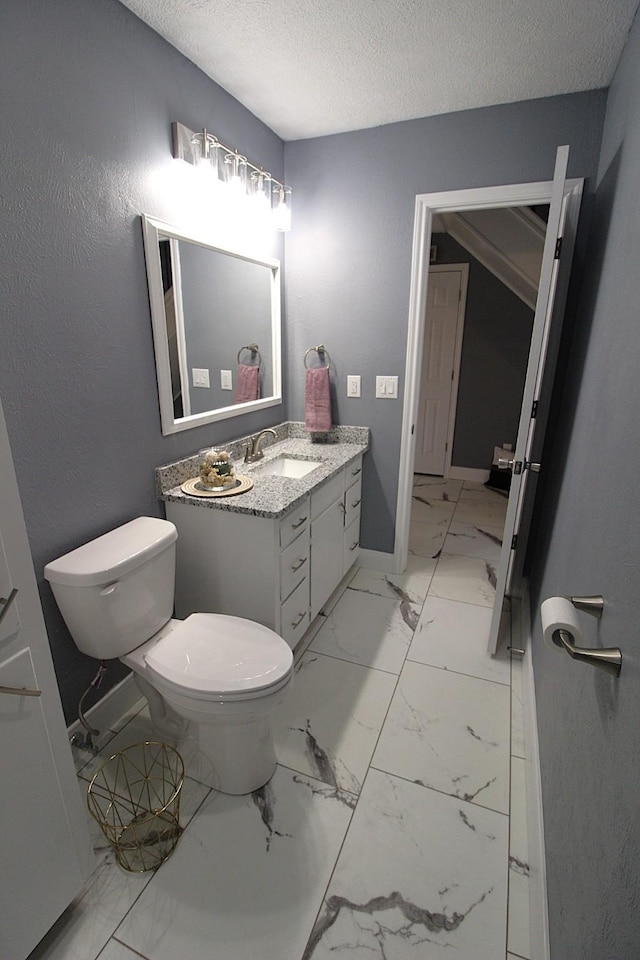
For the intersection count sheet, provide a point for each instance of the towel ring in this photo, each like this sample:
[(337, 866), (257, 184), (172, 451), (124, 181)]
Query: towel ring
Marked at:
[(253, 347), (320, 349)]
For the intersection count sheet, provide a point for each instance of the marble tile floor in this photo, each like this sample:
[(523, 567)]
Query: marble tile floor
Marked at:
[(394, 826)]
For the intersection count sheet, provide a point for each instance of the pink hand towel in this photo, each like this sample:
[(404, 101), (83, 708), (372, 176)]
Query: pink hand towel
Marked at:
[(317, 400), (247, 383)]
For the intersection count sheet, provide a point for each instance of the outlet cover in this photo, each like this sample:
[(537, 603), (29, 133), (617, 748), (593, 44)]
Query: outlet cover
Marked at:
[(353, 385), (226, 380)]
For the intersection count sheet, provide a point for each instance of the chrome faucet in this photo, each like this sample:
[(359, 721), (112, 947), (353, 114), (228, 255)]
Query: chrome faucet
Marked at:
[(253, 450)]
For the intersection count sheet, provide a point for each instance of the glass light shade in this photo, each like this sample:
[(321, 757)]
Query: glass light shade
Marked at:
[(261, 190), (207, 152), (282, 207), (236, 173)]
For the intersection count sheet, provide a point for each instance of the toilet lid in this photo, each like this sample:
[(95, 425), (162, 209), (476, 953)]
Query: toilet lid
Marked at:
[(210, 654)]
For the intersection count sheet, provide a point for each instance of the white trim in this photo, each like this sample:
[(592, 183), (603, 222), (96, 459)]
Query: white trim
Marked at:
[(185, 391), (377, 560), (428, 204), (105, 714), (538, 897), (469, 473)]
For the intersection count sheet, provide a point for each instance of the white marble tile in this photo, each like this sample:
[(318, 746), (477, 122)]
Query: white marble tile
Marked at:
[(247, 877), (449, 732), (328, 726), (467, 579), (517, 713), (426, 539), (455, 636), (437, 487), (420, 875), (474, 540), (519, 940), (115, 950), (482, 493), (414, 582), (370, 630), (425, 509), (484, 512)]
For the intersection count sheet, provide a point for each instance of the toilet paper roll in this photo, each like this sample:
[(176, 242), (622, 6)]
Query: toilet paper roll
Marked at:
[(558, 613)]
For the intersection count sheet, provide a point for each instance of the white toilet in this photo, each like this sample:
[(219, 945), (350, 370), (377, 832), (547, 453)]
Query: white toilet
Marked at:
[(224, 675)]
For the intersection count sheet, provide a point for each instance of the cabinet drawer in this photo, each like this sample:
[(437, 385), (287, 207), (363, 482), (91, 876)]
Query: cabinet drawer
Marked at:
[(294, 564), (352, 502), (294, 614), (294, 523), (326, 495), (351, 544), (353, 472)]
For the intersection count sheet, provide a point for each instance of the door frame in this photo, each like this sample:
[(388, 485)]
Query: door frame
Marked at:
[(426, 206)]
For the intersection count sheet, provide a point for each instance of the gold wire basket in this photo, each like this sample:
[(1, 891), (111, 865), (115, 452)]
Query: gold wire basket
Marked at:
[(135, 797)]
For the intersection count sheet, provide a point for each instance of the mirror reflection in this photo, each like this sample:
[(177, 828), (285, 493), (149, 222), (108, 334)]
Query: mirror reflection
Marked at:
[(216, 322)]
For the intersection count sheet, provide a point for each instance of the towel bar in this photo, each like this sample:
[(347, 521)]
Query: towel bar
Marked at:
[(321, 350)]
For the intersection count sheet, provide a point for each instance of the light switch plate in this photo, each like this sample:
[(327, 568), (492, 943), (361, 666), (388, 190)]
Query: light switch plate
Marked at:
[(387, 387), (226, 380), (353, 385), (200, 377)]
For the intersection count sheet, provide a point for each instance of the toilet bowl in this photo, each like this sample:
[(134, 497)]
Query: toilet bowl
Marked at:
[(212, 681)]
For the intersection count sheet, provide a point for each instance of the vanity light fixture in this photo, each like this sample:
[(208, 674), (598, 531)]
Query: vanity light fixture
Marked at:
[(243, 178)]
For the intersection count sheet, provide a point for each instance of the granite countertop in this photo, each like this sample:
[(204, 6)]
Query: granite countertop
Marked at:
[(270, 496)]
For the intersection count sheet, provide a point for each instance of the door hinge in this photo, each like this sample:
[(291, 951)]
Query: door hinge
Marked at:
[(556, 255), (514, 541), (534, 410)]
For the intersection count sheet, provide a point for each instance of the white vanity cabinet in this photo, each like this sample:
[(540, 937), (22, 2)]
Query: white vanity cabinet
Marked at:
[(278, 572)]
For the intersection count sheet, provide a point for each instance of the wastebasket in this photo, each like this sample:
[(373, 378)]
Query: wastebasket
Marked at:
[(135, 797)]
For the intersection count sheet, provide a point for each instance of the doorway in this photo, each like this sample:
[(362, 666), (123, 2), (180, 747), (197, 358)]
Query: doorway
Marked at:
[(564, 197)]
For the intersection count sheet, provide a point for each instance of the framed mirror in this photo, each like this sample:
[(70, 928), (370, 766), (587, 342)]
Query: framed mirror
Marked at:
[(215, 313)]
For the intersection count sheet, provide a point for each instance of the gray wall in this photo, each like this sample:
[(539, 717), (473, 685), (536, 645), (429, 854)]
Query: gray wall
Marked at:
[(349, 250), (87, 97), (495, 349), (589, 542)]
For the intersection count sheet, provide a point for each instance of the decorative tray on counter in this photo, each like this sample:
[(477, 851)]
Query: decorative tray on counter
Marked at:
[(195, 488)]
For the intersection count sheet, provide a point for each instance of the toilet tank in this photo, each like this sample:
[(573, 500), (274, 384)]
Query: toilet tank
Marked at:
[(115, 592)]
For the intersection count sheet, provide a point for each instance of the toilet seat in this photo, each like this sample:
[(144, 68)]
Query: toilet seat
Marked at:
[(211, 656)]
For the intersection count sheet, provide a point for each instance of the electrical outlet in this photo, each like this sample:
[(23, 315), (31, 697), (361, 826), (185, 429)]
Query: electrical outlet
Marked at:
[(353, 385), (226, 380), (200, 377)]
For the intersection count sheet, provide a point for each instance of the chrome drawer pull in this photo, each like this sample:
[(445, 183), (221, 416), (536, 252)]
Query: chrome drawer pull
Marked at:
[(21, 692), (294, 526), (6, 603), (299, 564), (356, 504), (296, 623), (354, 473), (354, 546)]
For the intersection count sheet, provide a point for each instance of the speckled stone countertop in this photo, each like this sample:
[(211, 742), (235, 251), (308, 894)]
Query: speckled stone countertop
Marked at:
[(270, 496)]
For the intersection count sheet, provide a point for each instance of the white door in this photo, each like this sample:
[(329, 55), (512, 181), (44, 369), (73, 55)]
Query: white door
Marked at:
[(439, 370), (549, 308), (45, 849)]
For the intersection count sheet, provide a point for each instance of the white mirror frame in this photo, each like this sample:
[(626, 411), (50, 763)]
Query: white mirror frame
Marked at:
[(153, 230)]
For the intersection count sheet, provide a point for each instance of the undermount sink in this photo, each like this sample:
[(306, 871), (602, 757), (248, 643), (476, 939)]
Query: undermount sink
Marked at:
[(287, 467)]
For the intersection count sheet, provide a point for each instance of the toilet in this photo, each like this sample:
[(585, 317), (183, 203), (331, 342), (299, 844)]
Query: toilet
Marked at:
[(212, 681)]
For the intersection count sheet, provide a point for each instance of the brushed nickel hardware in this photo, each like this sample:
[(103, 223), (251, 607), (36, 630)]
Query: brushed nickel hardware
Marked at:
[(592, 605), (321, 350), (517, 465), (296, 623), (354, 546), (518, 650), (608, 659), (21, 691), (354, 473), (255, 352), (294, 526), (505, 464), (6, 603), (253, 450), (357, 503), (301, 562)]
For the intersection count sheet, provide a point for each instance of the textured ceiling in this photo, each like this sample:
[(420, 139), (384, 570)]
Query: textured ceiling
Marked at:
[(314, 67)]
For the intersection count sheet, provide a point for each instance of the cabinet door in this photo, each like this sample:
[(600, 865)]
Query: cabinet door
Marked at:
[(327, 544)]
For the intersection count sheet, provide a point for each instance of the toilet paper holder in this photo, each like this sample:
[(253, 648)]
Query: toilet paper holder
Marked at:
[(608, 659)]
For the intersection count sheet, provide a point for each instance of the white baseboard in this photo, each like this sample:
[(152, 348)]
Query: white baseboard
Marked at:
[(468, 473), (538, 909), (105, 714), (377, 560)]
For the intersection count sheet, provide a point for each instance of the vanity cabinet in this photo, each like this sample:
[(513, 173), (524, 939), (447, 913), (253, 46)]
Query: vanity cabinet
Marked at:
[(278, 572)]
